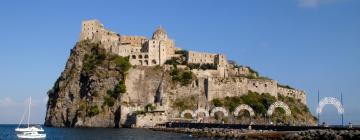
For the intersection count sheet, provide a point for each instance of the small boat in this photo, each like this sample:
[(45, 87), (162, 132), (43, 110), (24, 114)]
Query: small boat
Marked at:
[(31, 135), (29, 131), (30, 128)]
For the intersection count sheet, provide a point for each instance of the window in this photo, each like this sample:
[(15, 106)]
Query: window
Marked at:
[(140, 56), (146, 56), (133, 56)]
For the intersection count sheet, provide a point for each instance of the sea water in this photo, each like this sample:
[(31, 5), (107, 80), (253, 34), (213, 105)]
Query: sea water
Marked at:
[(7, 132)]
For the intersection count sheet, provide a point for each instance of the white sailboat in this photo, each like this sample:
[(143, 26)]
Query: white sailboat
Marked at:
[(29, 131)]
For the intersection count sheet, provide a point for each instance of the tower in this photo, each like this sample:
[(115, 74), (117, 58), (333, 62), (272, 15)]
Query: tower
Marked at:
[(160, 46), (90, 28)]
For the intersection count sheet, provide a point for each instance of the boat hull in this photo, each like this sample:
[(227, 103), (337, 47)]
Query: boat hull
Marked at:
[(39, 136)]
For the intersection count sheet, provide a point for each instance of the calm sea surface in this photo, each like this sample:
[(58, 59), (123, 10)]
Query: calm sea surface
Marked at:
[(7, 132)]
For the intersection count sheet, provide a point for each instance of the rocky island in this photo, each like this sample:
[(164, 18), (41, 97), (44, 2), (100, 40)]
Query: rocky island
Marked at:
[(115, 80)]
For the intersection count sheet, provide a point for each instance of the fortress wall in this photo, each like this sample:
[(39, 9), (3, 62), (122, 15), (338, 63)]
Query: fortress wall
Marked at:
[(222, 87), (297, 94), (205, 73), (238, 86), (136, 41), (262, 86), (201, 58)]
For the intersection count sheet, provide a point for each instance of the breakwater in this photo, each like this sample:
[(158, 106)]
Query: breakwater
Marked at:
[(255, 127), (261, 131)]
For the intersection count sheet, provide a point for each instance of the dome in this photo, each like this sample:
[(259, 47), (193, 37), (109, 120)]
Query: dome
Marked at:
[(160, 34)]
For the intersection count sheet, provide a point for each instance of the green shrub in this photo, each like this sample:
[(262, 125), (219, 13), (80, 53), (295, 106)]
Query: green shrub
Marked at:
[(94, 110), (285, 86), (122, 63), (109, 101), (96, 56), (217, 102), (173, 61), (202, 66), (184, 103), (120, 87), (184, 77)]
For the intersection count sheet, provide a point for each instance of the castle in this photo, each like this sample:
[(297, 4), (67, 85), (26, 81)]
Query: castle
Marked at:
[(77, 92), (160, 48), (143, 51)]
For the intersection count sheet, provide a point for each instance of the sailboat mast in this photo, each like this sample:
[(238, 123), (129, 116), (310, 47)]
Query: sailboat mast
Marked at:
[(29, 112)]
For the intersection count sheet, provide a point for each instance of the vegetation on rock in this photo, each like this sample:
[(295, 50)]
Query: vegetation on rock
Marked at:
[(94, 110), (183, 76), (285, 86), (184, 103), (261, 102), (202, 66)]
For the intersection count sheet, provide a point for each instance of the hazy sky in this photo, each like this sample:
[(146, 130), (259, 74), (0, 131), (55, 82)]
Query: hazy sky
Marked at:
[(309, 44)]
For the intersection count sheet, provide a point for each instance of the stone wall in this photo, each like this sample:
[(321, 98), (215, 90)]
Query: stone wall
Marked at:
[(150, 119), (238, 86), (297, 94)]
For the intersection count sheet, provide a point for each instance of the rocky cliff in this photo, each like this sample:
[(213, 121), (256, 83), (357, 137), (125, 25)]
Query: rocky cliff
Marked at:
[(99, 89)]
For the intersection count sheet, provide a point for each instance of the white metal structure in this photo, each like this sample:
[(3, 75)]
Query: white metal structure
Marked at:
[(186, 112), (330, 101), (276, 105), (217, 109), (244, 107)]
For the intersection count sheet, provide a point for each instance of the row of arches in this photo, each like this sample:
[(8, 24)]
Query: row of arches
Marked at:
[(270, 111), (146, 62), (140, 56)]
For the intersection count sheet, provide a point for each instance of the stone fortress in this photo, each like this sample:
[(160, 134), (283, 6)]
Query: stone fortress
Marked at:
[(158, 49), (227, 80)]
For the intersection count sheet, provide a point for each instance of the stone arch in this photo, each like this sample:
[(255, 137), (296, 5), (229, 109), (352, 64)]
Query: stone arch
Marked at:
[(244, 107), (153, 61), (201, 110), (140, 62), (146, 56), (133, 56), (140, 56), (182, 115), (146, 62), (330, 101), (281, 105), (217, 109)]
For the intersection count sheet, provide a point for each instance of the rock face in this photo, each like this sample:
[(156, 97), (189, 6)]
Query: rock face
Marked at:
[(99, 89), (79, 89)]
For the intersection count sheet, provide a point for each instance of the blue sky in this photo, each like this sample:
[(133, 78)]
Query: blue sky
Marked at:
[(309, 44)]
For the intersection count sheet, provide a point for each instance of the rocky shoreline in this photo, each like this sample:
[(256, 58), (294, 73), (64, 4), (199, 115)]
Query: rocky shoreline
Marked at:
[(323, 134)]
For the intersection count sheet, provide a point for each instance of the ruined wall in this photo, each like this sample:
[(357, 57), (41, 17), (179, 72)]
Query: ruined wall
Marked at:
[(200, 57), (150, 119), (297, 94), (238, 86)]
